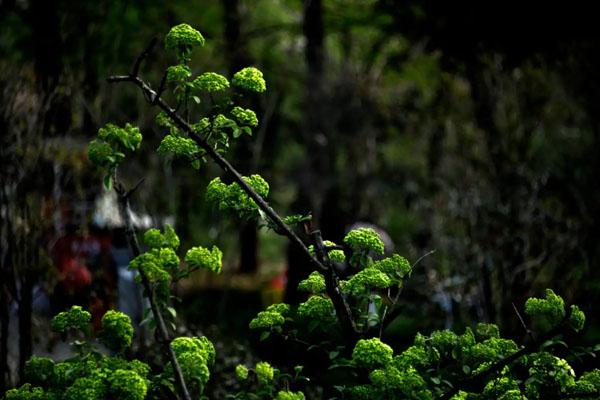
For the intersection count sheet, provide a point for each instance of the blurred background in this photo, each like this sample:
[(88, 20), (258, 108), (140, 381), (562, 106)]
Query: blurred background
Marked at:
[(468, 128)]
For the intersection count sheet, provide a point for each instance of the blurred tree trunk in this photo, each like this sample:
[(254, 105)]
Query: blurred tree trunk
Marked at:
[(25, 334), (237, 58), (312, 180), (4, 321)]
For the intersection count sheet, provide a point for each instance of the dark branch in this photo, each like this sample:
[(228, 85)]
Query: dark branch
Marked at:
[(161, 328), (332, 285), (136, 66)]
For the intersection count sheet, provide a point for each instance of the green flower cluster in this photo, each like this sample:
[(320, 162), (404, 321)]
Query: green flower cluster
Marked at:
[(396, 267), (286, 395), (117, 331), (211, 82), (363, 242), (371, 353), (406, 383), (419, 372), (315, 283), (75, 318), (366, 280), (244, 116), (250, 79), (231, 197), (577, 318), (195, 355), (241, 372), (200, 257), (154, 239), (547, 312), (272, 318), (178, 146), (182, 38), (90, 375), (108, 150), (334, 254), (126, 385), (178, 73), (264, 373), (317, 309)]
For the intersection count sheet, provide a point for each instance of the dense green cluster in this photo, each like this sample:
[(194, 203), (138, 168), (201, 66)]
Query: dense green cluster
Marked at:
[(370, 353), (75, 318), (244, 116), (286, 395), (364, 242), (195, 356), (396, 267), (117, 331), (264, 372), (318, 309), (200, 257), (272, 318), (108, 150), (425, 369), (250, 79), (155, 239), (366, 280), (232, 198), (178, 146), (315, 283), (211, 82), (182, 38), (178, 73), (241, 372), (577, 318), (90, 375), (547, 312), (335, 255)]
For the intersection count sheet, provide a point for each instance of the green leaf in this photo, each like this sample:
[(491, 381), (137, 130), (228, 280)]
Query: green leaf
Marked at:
[(264, 335), (107, 180)]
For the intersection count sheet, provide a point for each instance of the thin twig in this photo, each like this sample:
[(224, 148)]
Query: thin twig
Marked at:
[(527, 330), (165, 339)]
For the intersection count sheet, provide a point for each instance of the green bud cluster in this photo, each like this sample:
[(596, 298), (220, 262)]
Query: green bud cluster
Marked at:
[(315, 283), (250, 79), (232, 198), (89, 375), (154, 239), (195, 355), (178, 73), (264, 372), (364, 242), (244, 116), (179, 146), (200, 257), (334, 254), (547, 312), (371, 353), (117, 331), (182, 38), (75, 318), (396, 267), (272, 318), (318, 309), (286, 395), (211, 82), (366, 280), (241, 372), (108, 150)]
